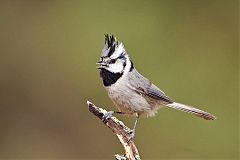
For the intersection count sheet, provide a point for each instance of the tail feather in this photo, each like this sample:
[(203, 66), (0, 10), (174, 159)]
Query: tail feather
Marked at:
[(190, 109)]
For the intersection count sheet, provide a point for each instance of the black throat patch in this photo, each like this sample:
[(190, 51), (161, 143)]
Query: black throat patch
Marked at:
[(109, 78)]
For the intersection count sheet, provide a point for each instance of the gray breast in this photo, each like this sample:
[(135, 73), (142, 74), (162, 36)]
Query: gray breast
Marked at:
[(128, 100)]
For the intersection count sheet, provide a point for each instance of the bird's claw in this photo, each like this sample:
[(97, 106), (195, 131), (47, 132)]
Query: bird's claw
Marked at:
[(106, 116), (131, 135)]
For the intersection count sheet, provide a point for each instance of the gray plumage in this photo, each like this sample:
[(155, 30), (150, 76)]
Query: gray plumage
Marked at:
[(131, 92), (149, 98)]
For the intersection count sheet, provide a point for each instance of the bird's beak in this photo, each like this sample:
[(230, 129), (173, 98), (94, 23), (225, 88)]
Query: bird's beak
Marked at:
[(101, 64)]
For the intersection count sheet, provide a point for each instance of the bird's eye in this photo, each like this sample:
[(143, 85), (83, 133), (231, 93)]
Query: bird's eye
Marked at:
[(112, 61)]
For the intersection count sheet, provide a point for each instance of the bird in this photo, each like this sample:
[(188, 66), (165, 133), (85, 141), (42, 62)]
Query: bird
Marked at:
[(132, 93)]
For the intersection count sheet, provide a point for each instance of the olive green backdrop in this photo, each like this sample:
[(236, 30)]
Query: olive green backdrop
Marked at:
[(48, 51)]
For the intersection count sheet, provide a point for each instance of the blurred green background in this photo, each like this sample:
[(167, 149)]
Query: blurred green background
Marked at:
[(48, 51)]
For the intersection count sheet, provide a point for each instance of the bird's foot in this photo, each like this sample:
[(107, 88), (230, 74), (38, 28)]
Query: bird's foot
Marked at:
[(106, 116), (131, 135)]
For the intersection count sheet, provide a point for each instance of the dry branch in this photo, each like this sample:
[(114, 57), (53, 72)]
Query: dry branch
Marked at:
[(120, 130)]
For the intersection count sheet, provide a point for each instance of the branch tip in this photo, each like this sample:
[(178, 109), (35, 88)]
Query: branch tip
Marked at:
[(89, 103)]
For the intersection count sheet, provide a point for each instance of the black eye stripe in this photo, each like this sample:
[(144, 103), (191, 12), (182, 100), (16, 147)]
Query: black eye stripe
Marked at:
[(112, 61), (121, 56)]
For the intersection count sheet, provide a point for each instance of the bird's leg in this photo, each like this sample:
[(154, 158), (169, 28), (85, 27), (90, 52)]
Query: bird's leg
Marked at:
[(132, 133), (109, 114)]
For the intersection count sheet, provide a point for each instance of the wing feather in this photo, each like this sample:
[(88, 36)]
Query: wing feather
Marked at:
[(143, 86), (154, 92)]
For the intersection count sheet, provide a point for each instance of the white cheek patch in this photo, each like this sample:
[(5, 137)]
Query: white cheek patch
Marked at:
[(116, 67)]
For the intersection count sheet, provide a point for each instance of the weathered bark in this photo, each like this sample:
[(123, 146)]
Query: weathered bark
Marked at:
[(120, 130)]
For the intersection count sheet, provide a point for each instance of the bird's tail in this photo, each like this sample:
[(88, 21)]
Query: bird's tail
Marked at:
[(190, 109)]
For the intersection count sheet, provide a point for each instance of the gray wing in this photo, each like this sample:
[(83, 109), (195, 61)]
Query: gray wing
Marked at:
[(154, 92), (142, 85)]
